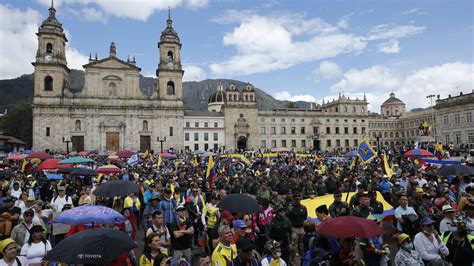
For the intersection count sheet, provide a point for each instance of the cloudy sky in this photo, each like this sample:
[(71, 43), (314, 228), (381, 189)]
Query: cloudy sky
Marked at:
[(292, 49)]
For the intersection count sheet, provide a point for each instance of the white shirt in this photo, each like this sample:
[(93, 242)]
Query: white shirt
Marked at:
[(427, 249), (35, 252), (59, 203), (20, 258), (399, 212), (447, 225), (16, 193)]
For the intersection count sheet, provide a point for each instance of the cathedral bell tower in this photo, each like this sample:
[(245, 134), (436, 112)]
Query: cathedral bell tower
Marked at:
[(50, 66), (170, 72)]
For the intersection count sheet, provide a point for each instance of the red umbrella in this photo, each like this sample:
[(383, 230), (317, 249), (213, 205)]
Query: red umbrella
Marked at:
[(52, 164), (350, 226), (40, 155), (418, 153), (167, 155), (108, 169), (83, 153), (16, 157), (125, 154), (63, 153)]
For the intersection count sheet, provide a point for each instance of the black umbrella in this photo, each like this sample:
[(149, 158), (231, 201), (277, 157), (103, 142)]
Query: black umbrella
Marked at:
[(457, 169), (83, 172), (93, 246), (114, 188), (65, 170), (239, 203)]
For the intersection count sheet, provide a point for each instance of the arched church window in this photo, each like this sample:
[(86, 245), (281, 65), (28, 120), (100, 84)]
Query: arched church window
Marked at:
[(77, 126), (251, 98), (48, 83), (362, 109), (145, 126), (385, 134), (345, 109), (113, 89), (170, 56), (170, 88), (337, 110), (353, 109), (246, 98), (391, 134), (49, 48)]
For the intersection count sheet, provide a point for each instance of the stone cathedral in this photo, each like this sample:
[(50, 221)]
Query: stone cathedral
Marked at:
[(111, 111)]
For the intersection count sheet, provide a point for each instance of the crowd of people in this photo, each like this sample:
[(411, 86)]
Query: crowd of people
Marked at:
[(176, 213)]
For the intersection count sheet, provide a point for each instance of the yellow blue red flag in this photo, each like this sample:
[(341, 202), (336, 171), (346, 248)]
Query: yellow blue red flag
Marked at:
[(365, 151)]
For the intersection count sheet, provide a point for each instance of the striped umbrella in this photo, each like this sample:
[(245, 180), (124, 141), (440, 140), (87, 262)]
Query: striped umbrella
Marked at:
[(108, 169), (418, 153)]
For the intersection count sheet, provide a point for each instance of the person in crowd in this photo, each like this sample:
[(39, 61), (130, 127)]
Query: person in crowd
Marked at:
[(168, 206), (128, 226), (22, 201), (448, 224), (151, 250), (200, 259), (194, 204), (239, 227), (209, 218), (36, 247), (153, 205), (20, 232), (460, 245), (429, 244), (58, 202), (181, 232), (225, 252), (245, 253), (8, 249), (406, 255), (280, 229), (322, 213), (338, 207), (362, 210), (87, 197), (161, 229), (9, 216), (297, 213), (273, 254), (406, 216)]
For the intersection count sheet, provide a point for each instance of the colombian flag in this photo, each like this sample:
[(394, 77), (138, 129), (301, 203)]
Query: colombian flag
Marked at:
[(387, 167), (211, 172)]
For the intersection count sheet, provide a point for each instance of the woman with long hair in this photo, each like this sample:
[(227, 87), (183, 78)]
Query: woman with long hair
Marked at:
[(36, 247), (128, 226), (151, 250)]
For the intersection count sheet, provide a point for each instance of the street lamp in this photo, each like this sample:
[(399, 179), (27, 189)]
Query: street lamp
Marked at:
[(378, 136), (67, 141), (431, 96), (161, 142)]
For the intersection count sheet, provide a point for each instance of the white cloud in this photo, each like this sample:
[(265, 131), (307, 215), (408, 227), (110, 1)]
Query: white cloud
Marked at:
[(286, 96), (410, 11), (193, 73), (375, 77), (279, 49), (327, 70), (378, 81), (19, 42), (392, 31), (92, 14), (390, 47), (137, 9), (75, 60)]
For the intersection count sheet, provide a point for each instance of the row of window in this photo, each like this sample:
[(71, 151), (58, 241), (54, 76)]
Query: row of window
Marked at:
[(346, 130), (282, 130), (263, 143), (205, 147), (205, 136), (345, 120), (338, 143), (205, 124), (235, 97), (345, 109), (458, 138), (457, 119), (282, 120)]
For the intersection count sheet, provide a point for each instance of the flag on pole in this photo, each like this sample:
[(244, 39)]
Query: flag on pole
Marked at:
[(152, 158), (211, 172), (195, 164), (388, 168), (439, 151), (352, 164), (133, 159), (365, 151), (145, 155), (23, 165), (160, 161)]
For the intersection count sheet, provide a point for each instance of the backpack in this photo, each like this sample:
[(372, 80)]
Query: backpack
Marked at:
[(56, 197)]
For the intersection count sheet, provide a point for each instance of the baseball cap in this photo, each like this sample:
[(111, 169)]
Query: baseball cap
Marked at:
[(402, 237), (244, 244), (227, 215), (426, 221), (180, 208), (239, 224), (61, 188)]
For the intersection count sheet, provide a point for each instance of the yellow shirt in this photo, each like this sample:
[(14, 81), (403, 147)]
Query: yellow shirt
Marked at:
[(223, 255), (144, 261), (211, 215), (128, 202)]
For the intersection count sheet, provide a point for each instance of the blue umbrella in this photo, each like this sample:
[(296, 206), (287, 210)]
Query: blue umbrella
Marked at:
[(89, 214), (27, 152), (53, 176), (351, 154)]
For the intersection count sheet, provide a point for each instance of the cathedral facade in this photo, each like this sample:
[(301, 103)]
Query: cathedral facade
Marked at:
[(111, 112)]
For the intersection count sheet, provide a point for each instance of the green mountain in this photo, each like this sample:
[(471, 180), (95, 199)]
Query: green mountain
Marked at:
[(196, 93)]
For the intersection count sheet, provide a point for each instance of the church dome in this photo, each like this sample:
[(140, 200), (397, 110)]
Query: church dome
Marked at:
[(217, 97), (393, 100)]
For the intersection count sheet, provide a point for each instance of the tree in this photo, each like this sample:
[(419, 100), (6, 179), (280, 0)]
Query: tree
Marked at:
[(292, 105), (19, 122)]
